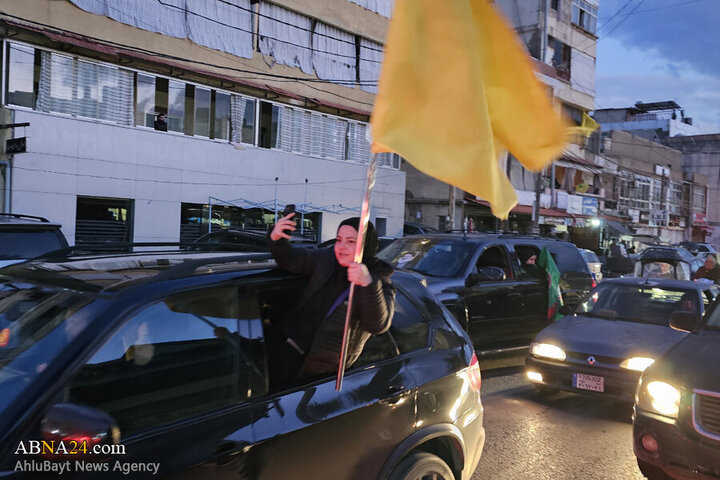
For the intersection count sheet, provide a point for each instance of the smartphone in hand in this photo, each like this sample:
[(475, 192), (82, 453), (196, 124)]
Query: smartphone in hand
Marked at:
[(289, 208)]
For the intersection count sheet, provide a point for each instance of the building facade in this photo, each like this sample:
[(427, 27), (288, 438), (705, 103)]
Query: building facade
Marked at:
[(701, 158), (560, 36), (265, 104), (665, 169)]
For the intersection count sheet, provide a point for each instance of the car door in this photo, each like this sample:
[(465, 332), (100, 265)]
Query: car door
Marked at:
[(311, 430), (533, 285), (176, 376), (495, 319)]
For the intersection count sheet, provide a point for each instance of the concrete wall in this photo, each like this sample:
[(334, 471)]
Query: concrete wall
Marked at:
[(430, 197), (701, 155), (641, 155), (160, 170)]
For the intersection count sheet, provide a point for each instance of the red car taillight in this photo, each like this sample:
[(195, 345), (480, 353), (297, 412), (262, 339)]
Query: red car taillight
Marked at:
[(474, 374)]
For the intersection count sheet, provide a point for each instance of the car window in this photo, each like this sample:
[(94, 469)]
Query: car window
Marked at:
[(175, 359), (567, 258), (589, 256), (641, 304), (495, 256), (27, 244), (410, 230), (409, 326), (524, 252), (437, 257), (408, 332), (36, 325)]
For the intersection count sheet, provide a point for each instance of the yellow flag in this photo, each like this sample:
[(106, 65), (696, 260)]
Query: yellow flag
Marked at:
[(457, 87), (588, 126)]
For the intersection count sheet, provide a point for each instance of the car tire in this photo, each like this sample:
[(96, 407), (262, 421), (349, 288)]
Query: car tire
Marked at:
[(545, 390), (652, 472), (421, 465)]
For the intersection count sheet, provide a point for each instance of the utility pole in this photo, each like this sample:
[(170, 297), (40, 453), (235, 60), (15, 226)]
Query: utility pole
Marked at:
[(451, 209), (536, 210)]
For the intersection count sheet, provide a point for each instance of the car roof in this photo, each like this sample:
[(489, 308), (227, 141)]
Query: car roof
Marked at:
[(478, 237), (662, 252), (18, 220), (659, 282), (117, 271)]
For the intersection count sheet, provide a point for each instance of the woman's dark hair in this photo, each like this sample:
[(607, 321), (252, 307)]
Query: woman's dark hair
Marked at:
[(371, 238)]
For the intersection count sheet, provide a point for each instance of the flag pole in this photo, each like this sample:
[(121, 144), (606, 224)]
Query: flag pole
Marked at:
[(359, 247)]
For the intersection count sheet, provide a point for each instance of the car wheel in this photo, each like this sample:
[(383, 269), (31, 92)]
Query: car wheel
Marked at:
[(652, 472), (545, 390), (420, 466)]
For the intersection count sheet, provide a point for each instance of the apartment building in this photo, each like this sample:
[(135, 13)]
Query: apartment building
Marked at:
[(265, 104), (560, 36), (664, 181)]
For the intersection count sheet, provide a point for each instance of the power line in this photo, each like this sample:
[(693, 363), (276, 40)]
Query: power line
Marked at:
[(253, 184), (624, 18), (606, 22), (198, 62), (252, 32)]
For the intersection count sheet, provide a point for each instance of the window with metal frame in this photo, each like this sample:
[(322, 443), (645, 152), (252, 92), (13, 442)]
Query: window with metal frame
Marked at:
[(85, 89), (23, 72), (584, 15)]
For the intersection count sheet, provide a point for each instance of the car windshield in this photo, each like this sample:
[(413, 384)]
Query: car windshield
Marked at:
[(27, 244), (659, 269), (36, 323), (638, 303), (589, 256), (436, 258)]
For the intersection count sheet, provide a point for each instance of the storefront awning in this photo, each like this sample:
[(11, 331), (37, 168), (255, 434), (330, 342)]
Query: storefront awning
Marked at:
[(578, 166), (618, 227)]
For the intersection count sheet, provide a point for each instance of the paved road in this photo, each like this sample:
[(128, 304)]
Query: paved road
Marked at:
[(559, 437)]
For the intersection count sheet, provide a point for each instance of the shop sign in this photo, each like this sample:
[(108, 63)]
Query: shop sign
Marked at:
[(699, 219)]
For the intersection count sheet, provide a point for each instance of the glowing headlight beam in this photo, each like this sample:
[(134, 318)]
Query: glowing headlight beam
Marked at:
[(639, 364), (548, 350)]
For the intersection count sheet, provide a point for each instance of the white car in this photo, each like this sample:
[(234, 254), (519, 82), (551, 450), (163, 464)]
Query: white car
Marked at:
[(593, 263)]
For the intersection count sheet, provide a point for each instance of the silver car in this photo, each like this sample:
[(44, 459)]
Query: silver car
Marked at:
[(620, 329)]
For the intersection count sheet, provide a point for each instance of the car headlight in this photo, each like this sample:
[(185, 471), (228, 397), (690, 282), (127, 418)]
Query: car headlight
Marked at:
[(548, 350), (659, 397), (638, 364)]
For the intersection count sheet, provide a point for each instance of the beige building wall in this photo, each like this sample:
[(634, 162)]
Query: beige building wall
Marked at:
[(641, 155), (342, 14)]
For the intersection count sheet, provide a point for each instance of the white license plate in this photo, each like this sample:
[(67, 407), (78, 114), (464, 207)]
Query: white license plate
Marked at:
[(588, 382)]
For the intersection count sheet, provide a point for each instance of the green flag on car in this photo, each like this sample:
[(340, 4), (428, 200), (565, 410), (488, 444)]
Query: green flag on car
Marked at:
[(546, 262)]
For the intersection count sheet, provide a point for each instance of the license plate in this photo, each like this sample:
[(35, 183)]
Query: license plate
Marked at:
[(588, 382)]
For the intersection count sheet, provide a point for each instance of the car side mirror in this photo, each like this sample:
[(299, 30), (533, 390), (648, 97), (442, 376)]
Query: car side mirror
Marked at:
[(485, 274), (684, 321), (67, 422), (566, 310)]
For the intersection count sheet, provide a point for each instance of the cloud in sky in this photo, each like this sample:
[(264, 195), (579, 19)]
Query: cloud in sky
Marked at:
[(661, 50)]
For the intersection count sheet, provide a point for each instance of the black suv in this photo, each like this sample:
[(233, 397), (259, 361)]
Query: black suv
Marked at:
[(483, 280), (27, 236), (676, 418), (163, 355)]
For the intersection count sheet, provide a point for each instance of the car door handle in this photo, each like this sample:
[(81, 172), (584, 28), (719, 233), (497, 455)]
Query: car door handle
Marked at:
[(514, 295), (394, 390), (225, 452), (393, 395)]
